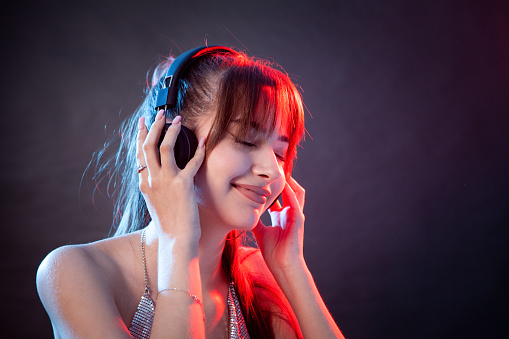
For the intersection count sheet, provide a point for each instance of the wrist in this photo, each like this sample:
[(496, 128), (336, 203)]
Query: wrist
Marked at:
[(177, 228), (178, 264), (182, 247), (179, 239), (290, 269)]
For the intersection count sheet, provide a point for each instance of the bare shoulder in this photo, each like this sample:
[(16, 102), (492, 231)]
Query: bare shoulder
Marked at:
[(74, 265), (65, 268), (76, 284), (61, 268)]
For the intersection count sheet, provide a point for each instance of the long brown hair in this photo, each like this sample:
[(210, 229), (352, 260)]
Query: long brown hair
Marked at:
[(231, 85)]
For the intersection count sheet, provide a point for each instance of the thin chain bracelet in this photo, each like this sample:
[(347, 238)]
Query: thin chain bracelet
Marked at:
[(195, 297)]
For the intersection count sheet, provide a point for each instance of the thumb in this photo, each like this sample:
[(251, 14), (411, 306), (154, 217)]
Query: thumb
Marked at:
[(259, 228), (194, 164)]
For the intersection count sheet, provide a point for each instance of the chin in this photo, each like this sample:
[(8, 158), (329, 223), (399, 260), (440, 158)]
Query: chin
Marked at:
[(245, 220)]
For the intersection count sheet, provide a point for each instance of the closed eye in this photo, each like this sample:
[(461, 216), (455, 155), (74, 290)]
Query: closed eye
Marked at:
[(280, 157), (244, 142)]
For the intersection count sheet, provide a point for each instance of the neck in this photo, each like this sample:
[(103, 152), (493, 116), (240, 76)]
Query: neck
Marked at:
[(210, 252)]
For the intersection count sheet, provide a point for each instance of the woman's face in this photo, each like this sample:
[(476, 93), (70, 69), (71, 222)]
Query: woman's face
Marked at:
[(240, 178)]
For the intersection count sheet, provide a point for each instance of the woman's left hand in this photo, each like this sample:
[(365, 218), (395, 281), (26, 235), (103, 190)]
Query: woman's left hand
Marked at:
[(281, 243)]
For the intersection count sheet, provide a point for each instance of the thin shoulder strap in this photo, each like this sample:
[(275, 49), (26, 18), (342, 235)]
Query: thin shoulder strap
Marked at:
[(238, 328), (145, 274), (141, 325)]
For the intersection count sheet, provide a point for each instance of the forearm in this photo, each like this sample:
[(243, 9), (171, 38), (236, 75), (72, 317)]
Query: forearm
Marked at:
[(312, 314), (177, 314)]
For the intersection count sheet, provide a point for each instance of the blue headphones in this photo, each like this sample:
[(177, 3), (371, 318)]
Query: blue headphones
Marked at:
[(167, 96)]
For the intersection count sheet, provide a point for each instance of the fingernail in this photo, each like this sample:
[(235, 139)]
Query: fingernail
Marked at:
[(201, 144), (177, 119), (159, 115), (141, 122)]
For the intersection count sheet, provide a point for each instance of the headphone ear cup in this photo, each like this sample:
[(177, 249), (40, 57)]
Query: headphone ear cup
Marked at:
[(185, 146)]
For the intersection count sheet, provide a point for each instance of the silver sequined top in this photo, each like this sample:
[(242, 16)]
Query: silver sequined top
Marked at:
[(141, 325)]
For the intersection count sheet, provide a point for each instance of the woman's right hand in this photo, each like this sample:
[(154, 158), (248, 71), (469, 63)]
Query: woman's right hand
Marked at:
[(168, 191), (171, 201)]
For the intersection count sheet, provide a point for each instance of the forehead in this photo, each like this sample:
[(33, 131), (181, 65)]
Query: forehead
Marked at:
[(269, 116), (260, 109), (256, 129)]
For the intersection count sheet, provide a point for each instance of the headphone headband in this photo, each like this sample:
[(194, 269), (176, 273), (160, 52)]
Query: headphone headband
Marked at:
[(167, 96)]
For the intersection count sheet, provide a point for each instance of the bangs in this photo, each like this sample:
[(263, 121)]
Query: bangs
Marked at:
[(252, 93)]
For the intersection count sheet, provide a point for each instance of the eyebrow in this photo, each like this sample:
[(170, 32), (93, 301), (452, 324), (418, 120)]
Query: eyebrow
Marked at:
[(283, 138), (256, 126)]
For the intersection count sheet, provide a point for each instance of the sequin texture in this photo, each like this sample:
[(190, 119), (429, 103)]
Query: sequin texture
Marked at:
[(238, 328), (141, 325)]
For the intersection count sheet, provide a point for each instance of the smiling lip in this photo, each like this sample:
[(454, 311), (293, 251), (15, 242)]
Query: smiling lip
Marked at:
[(253, 193)]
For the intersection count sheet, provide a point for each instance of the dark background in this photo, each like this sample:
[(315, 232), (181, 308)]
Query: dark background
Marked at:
[(406, 170)]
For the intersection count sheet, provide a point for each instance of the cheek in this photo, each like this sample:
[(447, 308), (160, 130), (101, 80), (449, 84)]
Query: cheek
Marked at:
[(222, 164), (277, 187), (281, 184), (226, 162), (282, 180)]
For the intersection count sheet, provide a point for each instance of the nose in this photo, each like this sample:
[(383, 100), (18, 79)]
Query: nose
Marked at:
[(266, 164)]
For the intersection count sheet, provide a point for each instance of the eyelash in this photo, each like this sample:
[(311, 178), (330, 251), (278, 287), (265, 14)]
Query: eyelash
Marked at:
[(244, 143), (280, 157), (251, 145)]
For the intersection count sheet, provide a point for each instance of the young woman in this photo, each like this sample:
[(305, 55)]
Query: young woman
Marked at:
[(175, 267)]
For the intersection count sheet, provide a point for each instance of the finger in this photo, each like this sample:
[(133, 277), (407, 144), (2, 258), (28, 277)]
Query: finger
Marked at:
[(196, 161), (290, 198), (259, 228), (167, 148), (276, 206), (300, 192), (150, 144), (140, 157)]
